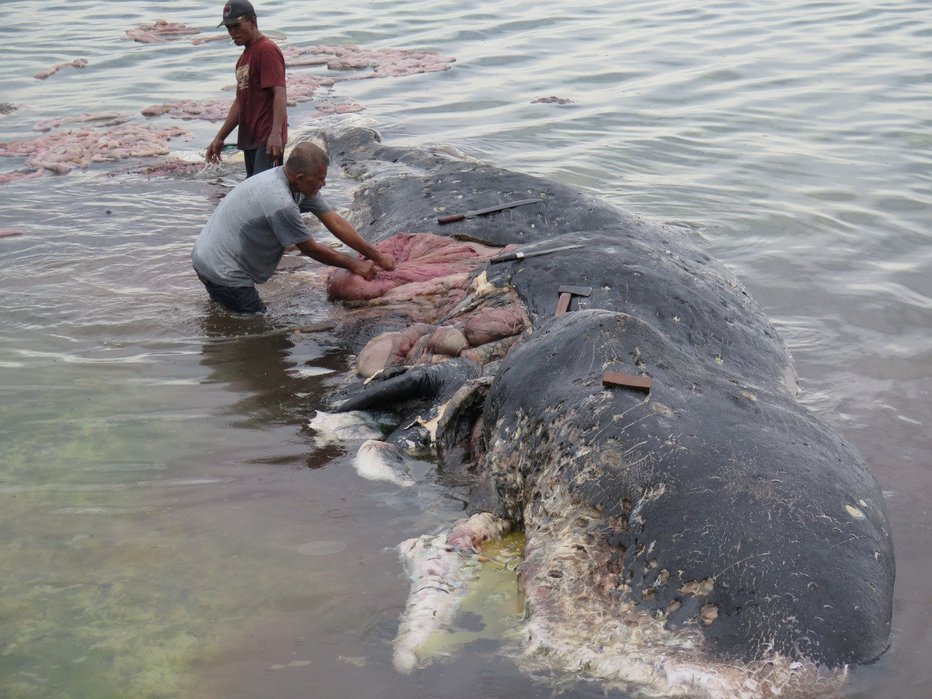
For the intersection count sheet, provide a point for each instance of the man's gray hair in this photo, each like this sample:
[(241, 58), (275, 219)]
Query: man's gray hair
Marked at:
[(307, 157)]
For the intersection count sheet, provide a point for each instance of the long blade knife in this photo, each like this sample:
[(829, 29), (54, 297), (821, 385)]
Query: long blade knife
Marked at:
[(518, 255), (489, 210)]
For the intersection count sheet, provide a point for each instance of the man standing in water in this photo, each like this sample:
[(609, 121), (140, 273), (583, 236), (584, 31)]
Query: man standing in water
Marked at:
[(244, 239), (259, 109)]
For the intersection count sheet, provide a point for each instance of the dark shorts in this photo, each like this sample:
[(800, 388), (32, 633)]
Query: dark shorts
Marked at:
[(257, 160), (240, 299)]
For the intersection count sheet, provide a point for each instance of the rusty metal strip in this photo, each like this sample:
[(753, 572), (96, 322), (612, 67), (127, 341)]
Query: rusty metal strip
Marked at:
[(638, 382)]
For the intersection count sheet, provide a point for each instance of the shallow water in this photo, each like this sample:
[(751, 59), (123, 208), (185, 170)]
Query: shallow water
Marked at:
[(171, 527)]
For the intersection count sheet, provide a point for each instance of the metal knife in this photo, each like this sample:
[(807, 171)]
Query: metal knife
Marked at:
[(518, 255), (489, 210)]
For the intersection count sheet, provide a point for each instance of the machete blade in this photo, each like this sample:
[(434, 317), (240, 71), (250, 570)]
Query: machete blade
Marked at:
[(488, 210)]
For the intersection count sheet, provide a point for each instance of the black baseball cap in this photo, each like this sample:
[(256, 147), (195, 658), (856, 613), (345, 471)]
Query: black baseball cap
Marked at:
[(234, 10)]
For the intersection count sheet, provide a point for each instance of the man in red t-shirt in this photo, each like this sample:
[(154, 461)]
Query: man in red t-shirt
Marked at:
[(259, 109)]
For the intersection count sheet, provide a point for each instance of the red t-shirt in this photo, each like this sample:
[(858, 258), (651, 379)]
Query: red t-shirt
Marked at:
[(260, 68)]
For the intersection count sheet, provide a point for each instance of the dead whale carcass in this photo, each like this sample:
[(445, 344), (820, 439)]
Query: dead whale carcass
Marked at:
[(709, 536)]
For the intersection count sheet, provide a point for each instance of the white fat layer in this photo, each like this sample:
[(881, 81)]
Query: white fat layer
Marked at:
[(339, 428), (440, 578), (379, 461)]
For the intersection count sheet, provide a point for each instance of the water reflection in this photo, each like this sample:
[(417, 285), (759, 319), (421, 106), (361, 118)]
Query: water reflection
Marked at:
[(250, 355), (276, 378)]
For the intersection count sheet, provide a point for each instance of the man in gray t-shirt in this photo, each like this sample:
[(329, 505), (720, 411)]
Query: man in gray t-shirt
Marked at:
[(244, 239)]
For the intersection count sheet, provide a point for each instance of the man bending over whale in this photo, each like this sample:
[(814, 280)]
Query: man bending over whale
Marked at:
[(244, 239)]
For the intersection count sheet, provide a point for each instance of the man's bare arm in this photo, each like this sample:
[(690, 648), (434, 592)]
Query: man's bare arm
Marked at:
[(328, 256), (232, 121), (345, 232), (274, 146)]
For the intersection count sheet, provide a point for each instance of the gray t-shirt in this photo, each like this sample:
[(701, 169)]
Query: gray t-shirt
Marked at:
[(246, 236)]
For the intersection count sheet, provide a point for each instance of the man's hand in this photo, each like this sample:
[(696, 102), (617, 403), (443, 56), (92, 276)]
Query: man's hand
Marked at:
[(385, 261), (273, 147), (213, 151), (364, 268)]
